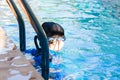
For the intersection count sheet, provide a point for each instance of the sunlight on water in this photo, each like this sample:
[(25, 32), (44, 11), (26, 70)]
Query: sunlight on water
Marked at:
[(92, 29)]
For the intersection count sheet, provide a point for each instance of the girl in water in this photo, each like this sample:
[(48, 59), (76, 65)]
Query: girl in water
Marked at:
[(56, 37)]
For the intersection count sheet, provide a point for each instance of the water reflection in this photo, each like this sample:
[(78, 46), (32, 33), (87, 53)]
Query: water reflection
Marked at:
[(92, 28)]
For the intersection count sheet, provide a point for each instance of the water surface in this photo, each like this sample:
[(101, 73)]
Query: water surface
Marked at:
[(92, 29)]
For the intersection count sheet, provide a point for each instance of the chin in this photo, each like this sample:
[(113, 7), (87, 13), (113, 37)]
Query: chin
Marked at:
[(56, 50)]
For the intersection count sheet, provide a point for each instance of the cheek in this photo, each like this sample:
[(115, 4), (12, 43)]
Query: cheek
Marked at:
[(59, 45), (56, 46)]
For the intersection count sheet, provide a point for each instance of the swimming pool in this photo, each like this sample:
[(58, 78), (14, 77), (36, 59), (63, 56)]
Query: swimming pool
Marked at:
[(92, 28)]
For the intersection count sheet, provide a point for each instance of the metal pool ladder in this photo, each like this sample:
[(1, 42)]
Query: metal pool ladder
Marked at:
[(38, 29)]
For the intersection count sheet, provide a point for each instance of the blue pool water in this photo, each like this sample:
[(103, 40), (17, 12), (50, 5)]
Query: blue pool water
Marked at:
[(92, 28)]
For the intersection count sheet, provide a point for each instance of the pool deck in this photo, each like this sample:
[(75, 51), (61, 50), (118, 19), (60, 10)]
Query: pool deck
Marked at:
[(13, 64)]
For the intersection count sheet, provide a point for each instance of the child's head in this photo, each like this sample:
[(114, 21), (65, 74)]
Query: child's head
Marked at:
[(55, 35)]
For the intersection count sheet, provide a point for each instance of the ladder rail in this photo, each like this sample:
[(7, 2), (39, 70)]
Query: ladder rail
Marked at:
[(21, 24)]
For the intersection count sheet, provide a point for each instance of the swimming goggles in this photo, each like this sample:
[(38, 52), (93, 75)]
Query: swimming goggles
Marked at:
[(56, 39)]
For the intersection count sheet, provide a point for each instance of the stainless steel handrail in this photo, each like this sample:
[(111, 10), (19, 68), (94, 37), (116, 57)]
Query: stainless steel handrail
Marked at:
[(41, 36), (38, 29), (18, 16)]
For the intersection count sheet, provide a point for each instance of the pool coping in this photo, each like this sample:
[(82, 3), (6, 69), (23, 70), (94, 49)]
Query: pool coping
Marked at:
[(13, 64)]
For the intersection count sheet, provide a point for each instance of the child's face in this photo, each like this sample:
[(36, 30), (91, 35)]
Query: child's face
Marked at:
[(56, 45)]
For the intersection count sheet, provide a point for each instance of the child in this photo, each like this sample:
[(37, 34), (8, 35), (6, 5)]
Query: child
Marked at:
[(56, 38)]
